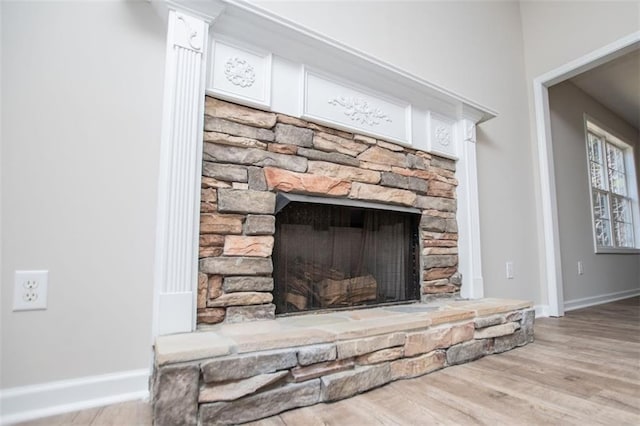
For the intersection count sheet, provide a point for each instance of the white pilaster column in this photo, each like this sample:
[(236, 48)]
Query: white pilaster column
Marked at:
[(176, 268), (468, 212)]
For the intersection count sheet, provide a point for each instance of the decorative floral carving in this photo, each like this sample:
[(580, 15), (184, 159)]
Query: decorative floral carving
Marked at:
[(443, 136), (360, 111), (192, 35), (239, 72), (469, 131)]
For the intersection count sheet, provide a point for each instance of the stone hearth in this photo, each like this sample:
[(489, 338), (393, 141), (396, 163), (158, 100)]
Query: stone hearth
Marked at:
[(235, 373), (250, 155)]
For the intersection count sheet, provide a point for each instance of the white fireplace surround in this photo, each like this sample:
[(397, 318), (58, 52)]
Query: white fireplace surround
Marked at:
[(234, 50)]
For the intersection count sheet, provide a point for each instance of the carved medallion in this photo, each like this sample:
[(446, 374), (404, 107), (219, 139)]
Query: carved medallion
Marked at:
[(239, 72), (443, 136)]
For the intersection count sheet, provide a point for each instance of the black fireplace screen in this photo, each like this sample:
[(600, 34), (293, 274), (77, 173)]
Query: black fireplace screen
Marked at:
[(331, 256)]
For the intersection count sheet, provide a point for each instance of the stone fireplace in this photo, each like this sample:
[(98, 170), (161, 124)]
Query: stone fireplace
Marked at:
[(310, 179), (349, 220)]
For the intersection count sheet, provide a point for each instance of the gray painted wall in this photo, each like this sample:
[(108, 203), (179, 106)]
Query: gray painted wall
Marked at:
[(603, 273), (82, 91)]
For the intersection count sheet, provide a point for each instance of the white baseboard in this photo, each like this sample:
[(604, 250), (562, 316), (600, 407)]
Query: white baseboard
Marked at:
[(542, 311), (570, 305), (47, 399)]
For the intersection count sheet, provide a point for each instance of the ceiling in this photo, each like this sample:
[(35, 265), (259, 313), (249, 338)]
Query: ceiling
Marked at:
[(616, 85)]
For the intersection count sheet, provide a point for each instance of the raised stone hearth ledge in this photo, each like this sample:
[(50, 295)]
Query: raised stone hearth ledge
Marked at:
[(235, 373)]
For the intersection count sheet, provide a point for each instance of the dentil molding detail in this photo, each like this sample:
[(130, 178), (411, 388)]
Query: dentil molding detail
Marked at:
[(239, 72), (360, 111), (443, 136)]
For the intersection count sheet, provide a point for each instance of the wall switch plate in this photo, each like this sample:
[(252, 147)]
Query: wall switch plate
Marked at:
[(580, 267), (30, 290), (509, 270)]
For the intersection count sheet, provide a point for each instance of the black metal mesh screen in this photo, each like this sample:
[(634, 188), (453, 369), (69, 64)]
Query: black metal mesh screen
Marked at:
[(328, 257)]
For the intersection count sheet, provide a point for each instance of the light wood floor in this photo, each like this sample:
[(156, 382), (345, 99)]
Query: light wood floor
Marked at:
[(582, 369)]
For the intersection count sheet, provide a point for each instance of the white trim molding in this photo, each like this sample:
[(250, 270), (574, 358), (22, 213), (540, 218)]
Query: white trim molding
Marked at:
[(48, 399), (468, 213), (177, 228), (264, 62), (551, 248), (585, 302)]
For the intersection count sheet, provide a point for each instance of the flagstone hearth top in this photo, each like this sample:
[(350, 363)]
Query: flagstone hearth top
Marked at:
[(312, 328)]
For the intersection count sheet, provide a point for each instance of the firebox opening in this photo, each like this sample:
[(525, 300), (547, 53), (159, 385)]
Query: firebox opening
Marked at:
[(329, 256)]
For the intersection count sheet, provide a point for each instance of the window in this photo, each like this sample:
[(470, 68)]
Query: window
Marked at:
[(614, 192)]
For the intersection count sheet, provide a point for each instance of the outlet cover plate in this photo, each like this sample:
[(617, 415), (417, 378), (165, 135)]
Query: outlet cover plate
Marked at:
[(30, 290)]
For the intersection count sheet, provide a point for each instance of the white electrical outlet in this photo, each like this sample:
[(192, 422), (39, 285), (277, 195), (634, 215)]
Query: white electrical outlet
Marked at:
[(580, 267), (509, 270), (30, 290)]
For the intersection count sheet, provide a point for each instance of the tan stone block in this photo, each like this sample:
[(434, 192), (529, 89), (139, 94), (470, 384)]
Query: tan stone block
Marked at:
[(282, 148), (462, 333), (211, 223), (380, 155), (440, 289), (441, 189), (208, 195), (331, 143), (390, 146), (211, 315), (440, 250), (209, 252), (346, 173), (439, 243), (299, 182), (437, 273), (422, 174), (202, 291), (209, 182), (374, 166), (366, 139), (214, 286), (496, 330), (449, 315), (302, 374), (382, 355), (414, 367), (351, 348), (239, 141), (376, 326), (490, 306), (241, 299), (211, 240), (238, 388), (428, 235), (438, 171), (363, 191), (435, 283), (183, 347), (427, 341), (239, 114), (287, 338), (236, 245), (208, 208), (281, 118)]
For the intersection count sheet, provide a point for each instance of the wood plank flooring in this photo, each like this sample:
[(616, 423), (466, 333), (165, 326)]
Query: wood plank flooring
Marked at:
[(582, 369)]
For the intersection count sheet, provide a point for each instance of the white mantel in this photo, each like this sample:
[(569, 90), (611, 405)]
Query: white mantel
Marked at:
[(237, 51)]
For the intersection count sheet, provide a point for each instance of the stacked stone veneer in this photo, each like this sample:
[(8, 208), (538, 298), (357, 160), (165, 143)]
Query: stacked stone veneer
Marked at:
[(250, 155), (241, 387)]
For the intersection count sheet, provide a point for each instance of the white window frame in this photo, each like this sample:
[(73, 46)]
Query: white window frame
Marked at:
[(609, 136)]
